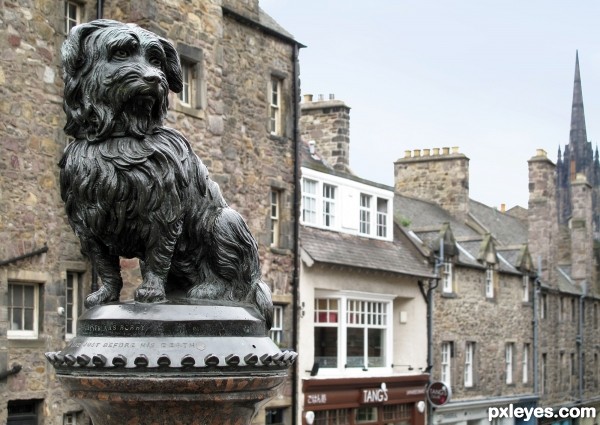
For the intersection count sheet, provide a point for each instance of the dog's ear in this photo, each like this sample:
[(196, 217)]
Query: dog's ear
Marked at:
[(173, 66)]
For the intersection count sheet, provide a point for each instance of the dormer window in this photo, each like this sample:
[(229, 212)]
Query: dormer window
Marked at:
[(489, 281), (344, 205), (447, 276)]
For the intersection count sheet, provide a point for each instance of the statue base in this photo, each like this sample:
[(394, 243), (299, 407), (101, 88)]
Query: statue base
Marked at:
[(171, 363)]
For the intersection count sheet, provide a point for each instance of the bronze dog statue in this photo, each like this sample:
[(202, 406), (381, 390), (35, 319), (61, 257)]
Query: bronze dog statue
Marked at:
[(134, 188)]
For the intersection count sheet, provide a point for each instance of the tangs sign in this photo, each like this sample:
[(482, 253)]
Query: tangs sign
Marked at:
[(439, 393), (375, 395)]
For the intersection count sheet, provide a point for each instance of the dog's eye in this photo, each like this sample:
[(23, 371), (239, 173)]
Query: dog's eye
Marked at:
[(121, 54), (155, 62)]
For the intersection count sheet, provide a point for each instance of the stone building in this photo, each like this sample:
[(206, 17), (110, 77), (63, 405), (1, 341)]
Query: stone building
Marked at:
[(237, 110), (482, 337), (361, 323)]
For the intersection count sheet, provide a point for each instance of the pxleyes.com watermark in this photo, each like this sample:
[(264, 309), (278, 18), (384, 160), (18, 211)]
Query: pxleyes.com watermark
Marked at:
[(528, 413)]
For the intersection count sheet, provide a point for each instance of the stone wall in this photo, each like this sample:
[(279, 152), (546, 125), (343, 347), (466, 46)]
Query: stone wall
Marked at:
[(328, 123), (228, 131), (440, 176), (468, 316)]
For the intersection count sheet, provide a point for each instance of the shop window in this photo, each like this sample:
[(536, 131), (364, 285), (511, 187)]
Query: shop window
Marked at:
[(329, 417), (366, 415), (274, 417), (398, 413)]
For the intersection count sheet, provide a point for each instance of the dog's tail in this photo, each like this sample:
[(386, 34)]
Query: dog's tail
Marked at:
[(234, 256)]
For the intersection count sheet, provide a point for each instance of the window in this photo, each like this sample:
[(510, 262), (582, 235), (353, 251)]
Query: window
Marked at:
[(596, 316), (319, 210), (573, 310), (185, 95), (328, 205), (509, 362), (70, 419), (526, 288), (525, 363), (276, 331), (366, 415), (73, 15), (447, 276), (572, 371), (23, 412), (309, 201), (274, 417), (544, 375), (446, 369), (365, 214), (274, 215), (352, 333), (193, 94), (399, 413), (275, 106), (561, 309), (561, 370), (543, 306), (469, 355), (72, 303), (382, 214), (23, 310), (489, 281), (373, 222), (332, 417)]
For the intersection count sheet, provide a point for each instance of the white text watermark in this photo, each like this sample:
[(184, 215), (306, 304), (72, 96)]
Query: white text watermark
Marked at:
[(528, 413)]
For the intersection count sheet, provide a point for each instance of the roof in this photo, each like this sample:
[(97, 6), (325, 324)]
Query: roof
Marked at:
[(505, 228), (330, 247)]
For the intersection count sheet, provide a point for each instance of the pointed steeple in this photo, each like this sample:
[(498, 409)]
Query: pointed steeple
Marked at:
[(578, 137)]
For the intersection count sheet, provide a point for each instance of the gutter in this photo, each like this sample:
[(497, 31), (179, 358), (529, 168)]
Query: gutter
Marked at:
[(33, 253)]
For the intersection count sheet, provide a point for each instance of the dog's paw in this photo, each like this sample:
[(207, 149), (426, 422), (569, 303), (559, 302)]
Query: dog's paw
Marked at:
[(149, 294), (103, 295), (206, 291)]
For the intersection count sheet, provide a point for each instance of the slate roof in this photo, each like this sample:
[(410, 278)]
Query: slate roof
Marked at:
[(337, 248), (505, 228)]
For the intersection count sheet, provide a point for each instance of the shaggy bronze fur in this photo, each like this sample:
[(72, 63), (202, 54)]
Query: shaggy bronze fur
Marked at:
[(134, 188)]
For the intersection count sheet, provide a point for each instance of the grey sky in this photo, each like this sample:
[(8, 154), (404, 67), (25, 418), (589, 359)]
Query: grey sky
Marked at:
[(494, 78)]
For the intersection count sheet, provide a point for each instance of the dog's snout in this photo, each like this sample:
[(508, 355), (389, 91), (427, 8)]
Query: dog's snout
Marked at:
[(151, 77)]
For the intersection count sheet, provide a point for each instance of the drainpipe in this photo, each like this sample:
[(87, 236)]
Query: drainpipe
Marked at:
[(579, 341), (536, 300), (99, 7), (16, 368), (296, 215), (432, 286), (39, 251)]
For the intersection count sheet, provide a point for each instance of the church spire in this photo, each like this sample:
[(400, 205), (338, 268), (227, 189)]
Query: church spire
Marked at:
[(578, 136)]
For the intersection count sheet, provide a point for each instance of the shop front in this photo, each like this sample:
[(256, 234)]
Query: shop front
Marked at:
[(386, 400)]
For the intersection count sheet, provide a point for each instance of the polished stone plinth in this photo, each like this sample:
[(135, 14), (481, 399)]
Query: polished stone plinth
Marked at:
[(171, 363)]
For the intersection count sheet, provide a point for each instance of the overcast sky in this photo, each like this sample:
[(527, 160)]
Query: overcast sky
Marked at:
[(494, 78)]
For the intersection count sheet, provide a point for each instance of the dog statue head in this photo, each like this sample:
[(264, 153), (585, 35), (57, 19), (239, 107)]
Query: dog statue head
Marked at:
[(117, 79)]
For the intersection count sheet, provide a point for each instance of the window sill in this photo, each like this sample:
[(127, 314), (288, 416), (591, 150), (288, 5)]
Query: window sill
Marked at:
[(280, 251), (188, 110), (26, 342), (526, 303), (449, 295), (277, 138)]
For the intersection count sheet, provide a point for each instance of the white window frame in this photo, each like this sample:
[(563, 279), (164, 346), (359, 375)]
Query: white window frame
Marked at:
[(319, 207), (74, 280), (447, 276), (365, 214), (185, 96), (276, 332), (309, 201), (382, 218), (526, 288), (469, 358), (71, 21), (275, 207), (525, 370), (330, 193), (275, 85), (446, 362), (509, 362), (24, 333), (343, 298), (489, 281)]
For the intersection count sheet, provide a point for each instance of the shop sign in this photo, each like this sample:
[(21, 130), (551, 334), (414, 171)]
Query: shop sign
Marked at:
[(316, 398), (374, 395), (439, 393)]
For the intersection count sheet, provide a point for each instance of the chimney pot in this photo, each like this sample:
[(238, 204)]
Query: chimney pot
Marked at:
[(503, 207), (454, 149), (436, 151), (417, 153), (308, 98), (445, 151), (331, 96), (426, 152), (541, 152), (407, 154), (321, 97)]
